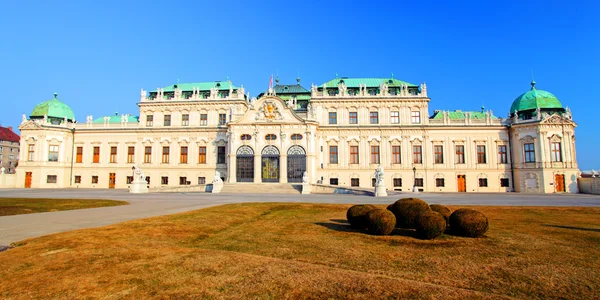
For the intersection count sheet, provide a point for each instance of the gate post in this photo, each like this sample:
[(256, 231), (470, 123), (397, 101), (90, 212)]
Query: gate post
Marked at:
[(283, 168)]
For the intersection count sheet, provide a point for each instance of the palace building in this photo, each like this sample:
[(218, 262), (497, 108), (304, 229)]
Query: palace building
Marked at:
[(339, 132)]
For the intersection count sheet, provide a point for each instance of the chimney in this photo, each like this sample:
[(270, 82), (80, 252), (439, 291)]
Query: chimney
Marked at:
[(9, 128)]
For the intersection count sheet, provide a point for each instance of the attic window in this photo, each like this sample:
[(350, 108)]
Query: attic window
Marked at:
[(342, 81), (286, 88), (390, 81), (218, 84), (175, 86)]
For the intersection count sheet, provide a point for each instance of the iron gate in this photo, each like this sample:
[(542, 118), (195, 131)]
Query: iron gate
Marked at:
[(244, 161), (270, 164), (296, 163)]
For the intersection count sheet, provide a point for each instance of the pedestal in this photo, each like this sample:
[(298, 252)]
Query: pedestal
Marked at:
[(380, 191), (139, 187), (217, 187), (306, 188), (415, 189)]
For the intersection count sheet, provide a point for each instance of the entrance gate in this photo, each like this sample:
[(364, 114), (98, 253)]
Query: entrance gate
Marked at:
[(112, 179), (462, 183), (296, 163), (244, 160), (28, 179), (270, 164), (559, 180)]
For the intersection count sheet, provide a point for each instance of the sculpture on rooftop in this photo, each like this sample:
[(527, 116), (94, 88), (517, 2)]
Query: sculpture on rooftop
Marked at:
[(23, 118)]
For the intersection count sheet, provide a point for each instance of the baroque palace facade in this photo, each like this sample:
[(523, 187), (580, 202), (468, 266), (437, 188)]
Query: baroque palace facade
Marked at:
[(338, 132)]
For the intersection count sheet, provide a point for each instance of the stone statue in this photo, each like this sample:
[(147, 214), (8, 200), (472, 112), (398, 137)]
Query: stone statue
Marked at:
[(313, 89), (142, 95), (217, 178), (305, 177), (2, 170), (138, 174), (45, 119), (379, 175), (214, 92), (593, 173), (88, 119), (538, 113), (23, 118), (342, 89)]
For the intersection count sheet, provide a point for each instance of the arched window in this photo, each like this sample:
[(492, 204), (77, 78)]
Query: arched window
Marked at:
[(270, 137), (246, 137), (296, 137)]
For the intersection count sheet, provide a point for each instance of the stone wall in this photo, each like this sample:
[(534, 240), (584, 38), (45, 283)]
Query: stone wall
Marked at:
[(8, 180), (589, 185)]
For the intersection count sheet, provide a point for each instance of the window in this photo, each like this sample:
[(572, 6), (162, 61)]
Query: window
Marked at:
[(296, 137), (372, 92), (129, 179), (419, 182), (77, 179), (504, 182), (481, 154), (53, 153), (31, 152), (51, 179), (395, 117), (96, 157), (148, 154), (333, 181), (460, 154), (333, 154), (417, 154), (203, 119), (374, 117), (246, 137), (130, 154), (183, 156), (483, 182), (396, 159), (353, 154), (221, 154), (185, 120), (79, 155), (353, 117), (149, 120), (201, 180), (331, 92), (270, 137), (332, 117), (164, 180), (439, 154), (354, 182), (375, 154), (94, 179), (397, 182), (556, 152), (502, 157), (529, 152), (165, 154), (167, 120), (113, 154), (202, 155), (222, 119), (182, 180), (373, 182), (439, 182), (415, 117)]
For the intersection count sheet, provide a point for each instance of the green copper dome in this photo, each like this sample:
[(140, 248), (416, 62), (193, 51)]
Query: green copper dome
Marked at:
[(53, 108), (534, 99)]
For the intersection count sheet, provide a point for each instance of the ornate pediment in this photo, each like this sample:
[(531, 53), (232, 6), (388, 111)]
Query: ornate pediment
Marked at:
[(557, 119), (30, 125), (268, 110)]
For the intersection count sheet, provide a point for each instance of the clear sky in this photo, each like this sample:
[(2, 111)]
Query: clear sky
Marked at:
[(98, 54)]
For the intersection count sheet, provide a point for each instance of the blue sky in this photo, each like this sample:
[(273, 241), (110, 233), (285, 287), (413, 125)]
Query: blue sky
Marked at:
[(98, 54)]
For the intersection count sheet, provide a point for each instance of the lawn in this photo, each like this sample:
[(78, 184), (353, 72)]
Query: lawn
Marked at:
[(19, 206), (296, 251)]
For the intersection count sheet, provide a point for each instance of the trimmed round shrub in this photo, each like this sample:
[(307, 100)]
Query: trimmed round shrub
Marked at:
[(381, 222), (357, 215), (430, 225), (442, 210), (468, 222), (407, 210)]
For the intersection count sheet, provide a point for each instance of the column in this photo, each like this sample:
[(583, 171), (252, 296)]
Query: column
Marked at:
[(283, 168), (231, 168), (257, 164)]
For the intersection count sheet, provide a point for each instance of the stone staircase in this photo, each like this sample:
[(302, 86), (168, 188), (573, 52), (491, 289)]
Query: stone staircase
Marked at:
[(261, 188)]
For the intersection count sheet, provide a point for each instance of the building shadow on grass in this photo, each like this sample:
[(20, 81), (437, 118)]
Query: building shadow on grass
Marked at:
[(572, 227), (343, 226)]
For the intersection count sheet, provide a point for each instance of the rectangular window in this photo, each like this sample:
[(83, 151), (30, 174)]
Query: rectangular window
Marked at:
[(165, 154), (148, 154), (529, 152), (31, 152), (113, 154), (415, 117), (202, 155), (221, 154), (333, 154), (397, 182), (77, 179), (182, 180), (439, 154), (417, 154), (167, 120), (375, 154), (129, 179), (164, 180), (79, 155), (183, 157), (556, 152), (333, 181), (53, 153), (396, 158), (332, 117), (460, 154), (502, 156), (373, 182), (185, 120), (203, 119), (439, 182), (395, 117), (504, 182), (483, 182), (222, 119), (201, 180), (353, 117), (354, 182), (481, 157), (353, 154), (374, 117), (419, 182), (51, 179), (149, 120), (130, 154), (94, 179), (96, 157)]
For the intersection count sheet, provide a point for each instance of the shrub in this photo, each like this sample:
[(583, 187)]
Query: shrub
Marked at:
[(430, 224), (468, 222), (357, 215), (380, 222), (407, 210), (442, 210)]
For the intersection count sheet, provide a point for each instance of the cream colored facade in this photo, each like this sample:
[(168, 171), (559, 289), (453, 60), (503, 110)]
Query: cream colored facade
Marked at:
[(269, 140)]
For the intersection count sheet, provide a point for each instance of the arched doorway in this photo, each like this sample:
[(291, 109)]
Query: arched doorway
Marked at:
[(296, 163), (244, 161), (270, 164)]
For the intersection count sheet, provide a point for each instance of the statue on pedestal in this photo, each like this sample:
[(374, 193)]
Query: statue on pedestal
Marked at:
[(217, 178), (3, 170), (305, 177), (379, 175), (23, 118)]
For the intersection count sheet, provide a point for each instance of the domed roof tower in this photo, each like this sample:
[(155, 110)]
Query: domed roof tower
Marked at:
[(527, 104), (55, 110)]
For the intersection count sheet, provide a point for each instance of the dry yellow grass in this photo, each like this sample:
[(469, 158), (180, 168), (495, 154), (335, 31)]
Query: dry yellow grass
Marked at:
[(308, 251), (19, 206)]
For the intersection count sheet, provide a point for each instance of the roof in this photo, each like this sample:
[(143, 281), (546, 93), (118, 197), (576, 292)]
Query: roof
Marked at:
[(53, 108), (370, 82), (8, 135), (534, 99), (461, 115), (117, 119), (204, 86), (290, 89)]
